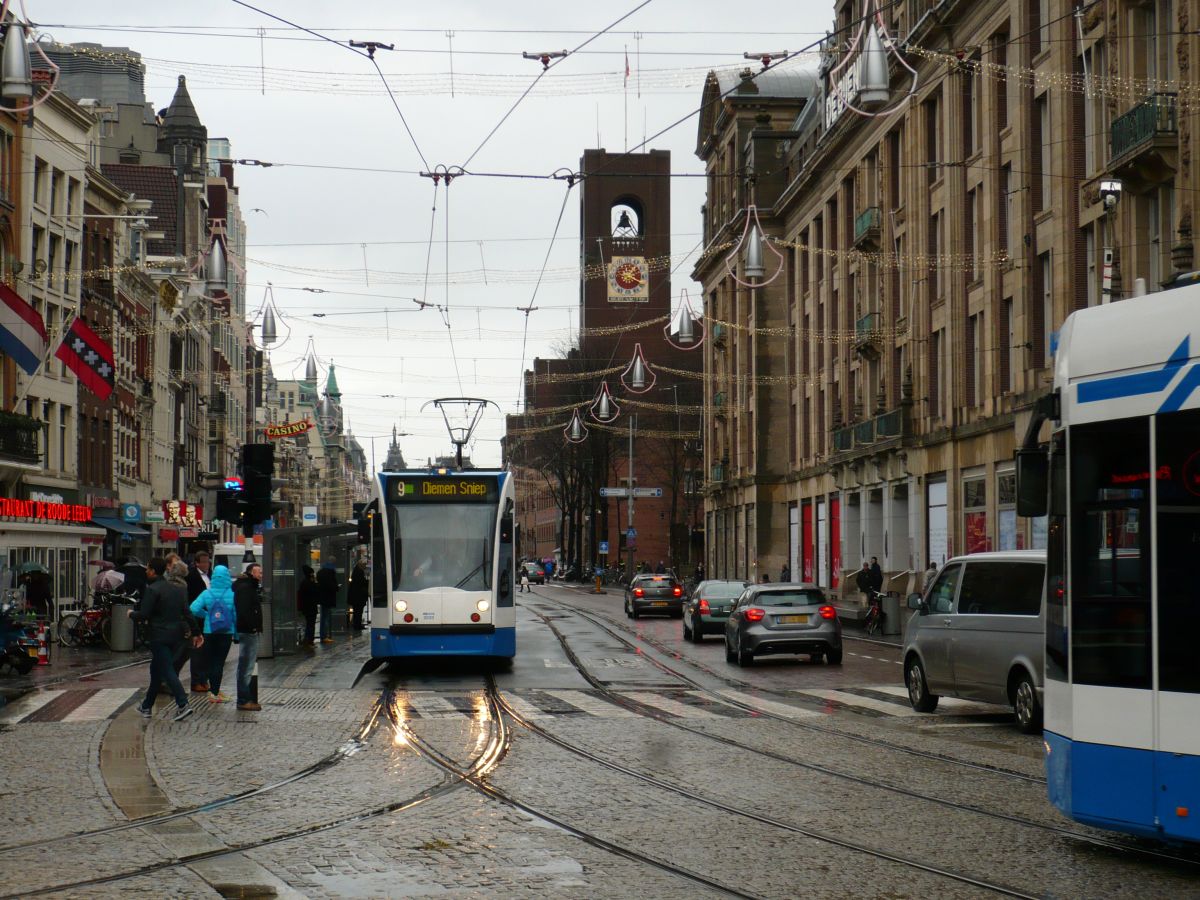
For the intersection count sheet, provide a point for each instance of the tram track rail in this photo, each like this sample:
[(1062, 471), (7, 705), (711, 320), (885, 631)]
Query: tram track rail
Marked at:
[(490, 755), (619, 699)]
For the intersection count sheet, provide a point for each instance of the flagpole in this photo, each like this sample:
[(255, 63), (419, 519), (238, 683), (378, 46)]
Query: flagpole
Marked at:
[(51, 349), (626, 92)]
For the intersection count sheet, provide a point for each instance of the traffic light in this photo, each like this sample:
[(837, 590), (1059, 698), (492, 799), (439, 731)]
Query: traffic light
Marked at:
[(230, 505), (258, 467)]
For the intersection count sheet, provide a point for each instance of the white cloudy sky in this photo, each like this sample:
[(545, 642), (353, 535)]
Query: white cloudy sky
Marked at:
[(324, 113)]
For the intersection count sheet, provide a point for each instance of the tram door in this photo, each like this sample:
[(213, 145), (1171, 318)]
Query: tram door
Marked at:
[(1177, 542)]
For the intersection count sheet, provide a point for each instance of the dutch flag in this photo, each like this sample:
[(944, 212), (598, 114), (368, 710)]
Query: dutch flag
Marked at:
[(22, 331)]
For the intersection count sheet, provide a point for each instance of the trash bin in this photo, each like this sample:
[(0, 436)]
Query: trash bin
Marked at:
[(120, 626), (891, 613)]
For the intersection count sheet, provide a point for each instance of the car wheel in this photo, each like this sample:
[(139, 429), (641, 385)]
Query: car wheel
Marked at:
[(834, 657), (729, 654), (628, 614), (697, 633), (745, 658), (1025, 703), (633, 611), (687, 632), (918, 687)]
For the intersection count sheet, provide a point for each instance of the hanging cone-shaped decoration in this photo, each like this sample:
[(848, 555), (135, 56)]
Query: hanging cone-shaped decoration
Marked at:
[(269, 334), (604, 408), (310, 368), (684, 325), (874, 82), (750, 245), (16, 69), (327, 416), (638, 377), (216, 265), (575, 432)]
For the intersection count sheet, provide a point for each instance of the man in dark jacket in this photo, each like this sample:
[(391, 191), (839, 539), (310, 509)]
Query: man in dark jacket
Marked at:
[(876, 575), (247, 601), (356, 594), (327, 591), (198, 577), (164, 608)]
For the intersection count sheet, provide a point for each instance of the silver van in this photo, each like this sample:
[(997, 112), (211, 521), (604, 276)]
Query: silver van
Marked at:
[(979, 634)]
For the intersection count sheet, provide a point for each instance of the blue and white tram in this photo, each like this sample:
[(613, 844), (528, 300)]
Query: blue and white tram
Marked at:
[(1122, 695), (442, 564)]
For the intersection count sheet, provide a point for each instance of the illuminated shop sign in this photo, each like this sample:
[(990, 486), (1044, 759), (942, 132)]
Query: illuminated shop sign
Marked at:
[(288, 429), (43, 511)]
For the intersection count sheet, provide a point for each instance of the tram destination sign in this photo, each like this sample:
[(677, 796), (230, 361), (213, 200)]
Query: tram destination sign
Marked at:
[(447, 489)]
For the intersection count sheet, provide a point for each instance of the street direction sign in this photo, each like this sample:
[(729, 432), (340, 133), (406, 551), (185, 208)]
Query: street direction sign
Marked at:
[(647, 492), (603, 548), (615, 492), (631, 533)]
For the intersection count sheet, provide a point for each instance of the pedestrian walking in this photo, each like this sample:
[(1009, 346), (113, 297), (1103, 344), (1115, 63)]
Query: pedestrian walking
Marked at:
[(216, 607), (661, 568), (308, 602), (930, 574), (785, 574), (862, 580), (525, 581), (876, 575), (327, 591), (198, 579), (247, 602), (357, 593), (164, 609)]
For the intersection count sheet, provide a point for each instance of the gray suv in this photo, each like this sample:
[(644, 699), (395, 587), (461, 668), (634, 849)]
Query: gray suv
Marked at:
[(978, 634), (783, 618)]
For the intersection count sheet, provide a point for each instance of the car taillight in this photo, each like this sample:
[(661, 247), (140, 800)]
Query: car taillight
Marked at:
[(827, 612), (678, 592), (754, 614), (704, 608), (638, 592)]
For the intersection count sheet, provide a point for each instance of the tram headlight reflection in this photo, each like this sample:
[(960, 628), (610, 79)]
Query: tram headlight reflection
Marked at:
[(482, 606), (401, 605)]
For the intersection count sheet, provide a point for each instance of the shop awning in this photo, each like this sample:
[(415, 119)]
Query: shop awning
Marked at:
[(119, 526)]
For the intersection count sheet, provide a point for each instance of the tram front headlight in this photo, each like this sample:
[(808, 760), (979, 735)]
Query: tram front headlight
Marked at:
[(482, 606), (401, 605)]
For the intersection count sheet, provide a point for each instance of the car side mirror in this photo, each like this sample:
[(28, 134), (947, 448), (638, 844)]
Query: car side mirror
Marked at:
[(915, 601)]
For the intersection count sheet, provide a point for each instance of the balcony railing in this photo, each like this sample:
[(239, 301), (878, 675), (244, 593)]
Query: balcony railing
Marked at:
[(1156, 116), (866, 226), (868, 334), (888, 425), (718, 334), (882, 427), (719, 401), (864, 433), (843, 439), (19, 439), (717, 473)]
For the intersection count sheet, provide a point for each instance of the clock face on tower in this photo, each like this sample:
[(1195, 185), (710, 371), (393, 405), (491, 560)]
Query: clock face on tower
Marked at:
[(628, 280)]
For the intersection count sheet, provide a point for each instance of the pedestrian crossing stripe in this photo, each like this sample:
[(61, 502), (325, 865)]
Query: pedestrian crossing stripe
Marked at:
[(89, 705)]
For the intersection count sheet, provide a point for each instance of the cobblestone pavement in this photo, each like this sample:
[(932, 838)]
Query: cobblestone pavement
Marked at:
[(874, 775)]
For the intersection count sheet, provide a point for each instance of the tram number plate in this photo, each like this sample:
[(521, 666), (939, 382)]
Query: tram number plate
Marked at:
[(793, 620), (428, 617)]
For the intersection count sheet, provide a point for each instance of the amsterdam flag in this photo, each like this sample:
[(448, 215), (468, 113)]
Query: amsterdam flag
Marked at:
[(88, 357)]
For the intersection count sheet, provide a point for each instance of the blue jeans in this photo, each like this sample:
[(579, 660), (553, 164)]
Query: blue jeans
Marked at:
[(247, 657), (326, 622), (162, 670), (218, 648)]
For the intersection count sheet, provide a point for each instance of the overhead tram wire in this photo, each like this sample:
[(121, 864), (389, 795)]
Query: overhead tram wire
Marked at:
[(546, 69)]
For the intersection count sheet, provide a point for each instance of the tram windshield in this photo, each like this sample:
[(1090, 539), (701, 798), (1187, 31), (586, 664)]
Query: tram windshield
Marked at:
[(442, 545)]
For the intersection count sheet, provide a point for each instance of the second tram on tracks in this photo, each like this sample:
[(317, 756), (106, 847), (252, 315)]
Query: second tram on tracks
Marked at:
[(442, 564), (1120, 481)]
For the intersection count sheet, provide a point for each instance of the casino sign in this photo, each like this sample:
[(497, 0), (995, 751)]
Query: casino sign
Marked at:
[(288, 429)]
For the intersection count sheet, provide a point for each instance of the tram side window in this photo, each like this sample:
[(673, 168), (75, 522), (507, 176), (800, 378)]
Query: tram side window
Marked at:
[(1110, 591), (1178, 543)]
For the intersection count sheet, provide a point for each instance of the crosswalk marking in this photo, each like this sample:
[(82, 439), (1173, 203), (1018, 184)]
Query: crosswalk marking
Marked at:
[(100, 705), (27, 705), (945, 703), (771, 706), (524, 708), (431, 706), (667, 705), (592, 704), (891, 709)]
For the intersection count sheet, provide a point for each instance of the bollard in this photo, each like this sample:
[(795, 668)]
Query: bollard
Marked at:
[(43, 657), (598, 589)]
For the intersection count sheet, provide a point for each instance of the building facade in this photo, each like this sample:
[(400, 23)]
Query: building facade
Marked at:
[(929, 253)]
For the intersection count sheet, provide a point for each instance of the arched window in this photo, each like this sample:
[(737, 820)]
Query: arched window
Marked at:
[(626, 218)]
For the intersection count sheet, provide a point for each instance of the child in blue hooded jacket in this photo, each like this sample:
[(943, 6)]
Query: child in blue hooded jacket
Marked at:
[(216, 607)]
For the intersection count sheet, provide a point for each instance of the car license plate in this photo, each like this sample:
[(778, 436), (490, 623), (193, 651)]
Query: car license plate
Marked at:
[(793, 620), (659, 603)]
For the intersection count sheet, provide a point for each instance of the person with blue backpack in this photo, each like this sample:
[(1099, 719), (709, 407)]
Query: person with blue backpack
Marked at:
[(217, 608)]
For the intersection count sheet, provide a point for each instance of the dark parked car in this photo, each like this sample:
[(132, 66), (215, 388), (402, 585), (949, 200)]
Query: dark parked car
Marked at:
[(708, 607), (537, 575), (654, 594), (783, 618)]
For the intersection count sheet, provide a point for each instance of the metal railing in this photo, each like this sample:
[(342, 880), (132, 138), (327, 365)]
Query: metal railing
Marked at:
[(867, 328), (717, 473), (864, 433), (883, 427), (888, 424), (19, 438), (843, 439), (718, 333), (867, 223), (719, 400), (1154, 116)]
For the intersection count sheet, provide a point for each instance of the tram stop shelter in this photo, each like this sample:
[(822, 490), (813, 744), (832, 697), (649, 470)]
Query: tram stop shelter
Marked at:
[(285, 551)]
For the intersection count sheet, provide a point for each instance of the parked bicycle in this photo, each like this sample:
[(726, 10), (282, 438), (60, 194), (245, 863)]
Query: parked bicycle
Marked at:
[(93, 625), (873, 623)]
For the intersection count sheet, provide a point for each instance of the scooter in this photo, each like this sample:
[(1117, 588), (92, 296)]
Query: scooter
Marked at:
[(14, 641)]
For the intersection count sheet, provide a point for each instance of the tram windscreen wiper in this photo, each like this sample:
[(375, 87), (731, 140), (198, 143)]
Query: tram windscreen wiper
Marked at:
[(483, 563)]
